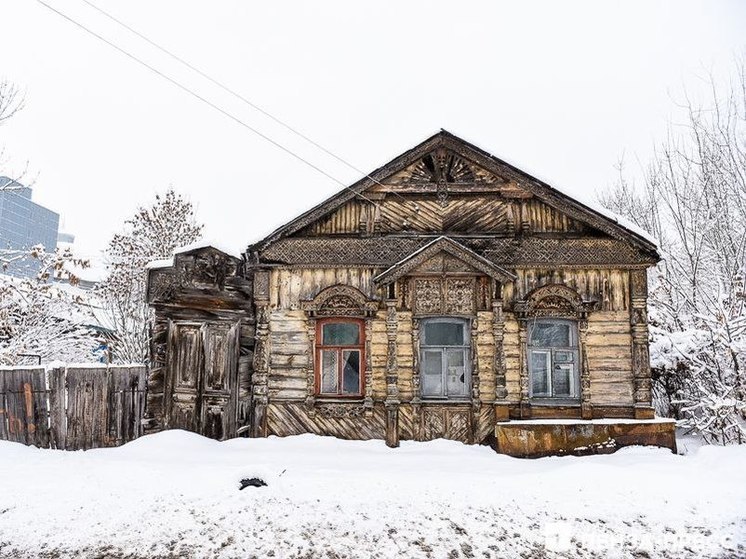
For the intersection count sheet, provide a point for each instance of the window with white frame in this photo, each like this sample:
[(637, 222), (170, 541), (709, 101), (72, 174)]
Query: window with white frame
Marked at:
[(553, 359), (445, 350)]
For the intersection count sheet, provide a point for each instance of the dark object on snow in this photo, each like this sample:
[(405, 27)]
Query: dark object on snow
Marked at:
[(252, 482)]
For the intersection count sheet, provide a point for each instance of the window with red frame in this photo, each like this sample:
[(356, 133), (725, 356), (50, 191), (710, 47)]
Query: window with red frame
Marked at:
[(339, 357)]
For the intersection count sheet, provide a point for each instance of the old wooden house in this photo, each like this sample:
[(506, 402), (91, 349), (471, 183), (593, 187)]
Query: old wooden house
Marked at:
[(447, 294)]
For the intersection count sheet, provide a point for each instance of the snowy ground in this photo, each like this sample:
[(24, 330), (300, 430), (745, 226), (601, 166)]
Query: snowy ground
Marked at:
[(176, 494)]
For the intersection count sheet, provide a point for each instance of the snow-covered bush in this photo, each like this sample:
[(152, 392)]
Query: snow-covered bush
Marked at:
[(45, 315), (694, 202)]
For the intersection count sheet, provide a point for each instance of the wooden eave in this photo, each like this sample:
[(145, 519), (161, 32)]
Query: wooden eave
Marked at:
[(449, 246), (541, 190)]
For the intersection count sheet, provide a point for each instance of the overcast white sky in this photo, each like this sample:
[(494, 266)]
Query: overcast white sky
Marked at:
[(561, 88)]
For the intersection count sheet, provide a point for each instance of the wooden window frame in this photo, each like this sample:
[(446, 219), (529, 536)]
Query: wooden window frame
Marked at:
[(573, 348), (319, 347), (466, 349)]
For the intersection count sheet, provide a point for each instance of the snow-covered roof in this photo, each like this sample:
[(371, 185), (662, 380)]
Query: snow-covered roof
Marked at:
[(161, 263), (205, 243)]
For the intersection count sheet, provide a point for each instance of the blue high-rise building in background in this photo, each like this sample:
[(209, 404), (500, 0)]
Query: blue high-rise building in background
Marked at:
[(23, 224)]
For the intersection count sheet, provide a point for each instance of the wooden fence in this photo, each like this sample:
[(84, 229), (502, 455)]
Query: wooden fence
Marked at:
[(72, 407)]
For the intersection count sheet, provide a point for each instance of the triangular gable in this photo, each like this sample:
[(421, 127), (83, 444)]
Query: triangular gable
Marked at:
[(431, 250), (491, 173)]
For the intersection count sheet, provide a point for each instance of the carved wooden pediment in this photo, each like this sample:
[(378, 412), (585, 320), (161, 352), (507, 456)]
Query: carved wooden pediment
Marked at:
[(441, 170), (205, 266), (554, 300), (443, 255), (340, 300), (444, 166)]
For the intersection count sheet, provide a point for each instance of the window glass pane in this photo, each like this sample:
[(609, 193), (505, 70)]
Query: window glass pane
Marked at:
[(550, 334), (351, 371), (329, 371), (540, 363), (432, 373), (562, 377), (455, 372), (444, 333), (341, 333), (564, 356)]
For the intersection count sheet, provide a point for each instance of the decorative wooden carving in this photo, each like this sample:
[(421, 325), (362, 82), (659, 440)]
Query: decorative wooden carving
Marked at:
[(310, 373), (446, 167), (261, 285), (553, 300), (526, 251), (260, 375), (445, 296), (340, 410), (498, 332), (206, 266), (213, 267), (525, 404), (368, 400), (443, 255), (392, 377), (340, 300), (586, 409), (428, 296), (416, 394), (476, 402), (459, 296)]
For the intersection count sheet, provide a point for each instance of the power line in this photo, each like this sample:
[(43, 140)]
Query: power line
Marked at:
[(239, 96), (204, 100)]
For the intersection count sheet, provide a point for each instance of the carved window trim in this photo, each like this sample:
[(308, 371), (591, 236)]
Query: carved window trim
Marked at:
[(340, 301), (554, 301), (360, 347), (557, 301)]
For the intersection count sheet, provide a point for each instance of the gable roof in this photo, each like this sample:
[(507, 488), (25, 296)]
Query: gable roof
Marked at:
[(449, 246), (595, 217)]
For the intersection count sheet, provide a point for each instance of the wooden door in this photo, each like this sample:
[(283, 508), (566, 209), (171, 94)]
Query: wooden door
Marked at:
[(201, 384)]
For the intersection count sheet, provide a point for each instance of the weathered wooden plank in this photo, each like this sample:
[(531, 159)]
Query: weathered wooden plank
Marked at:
[(58, 419), (24, 406), (289, 419), (86, 407), (295, 382), (4, 435)]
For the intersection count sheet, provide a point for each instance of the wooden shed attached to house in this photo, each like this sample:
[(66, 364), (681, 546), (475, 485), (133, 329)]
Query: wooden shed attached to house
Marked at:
[(447, 294)]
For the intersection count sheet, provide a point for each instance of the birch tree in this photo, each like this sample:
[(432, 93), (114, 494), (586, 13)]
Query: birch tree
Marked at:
[(153, 233)]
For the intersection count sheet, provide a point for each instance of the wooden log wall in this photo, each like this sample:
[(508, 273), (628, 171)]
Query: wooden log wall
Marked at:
[(288, 287), (608, 286), (74, 408), (607, 348)]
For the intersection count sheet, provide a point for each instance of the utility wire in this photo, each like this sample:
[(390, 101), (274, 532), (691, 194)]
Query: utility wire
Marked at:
[(204, 100), (239, 96)]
